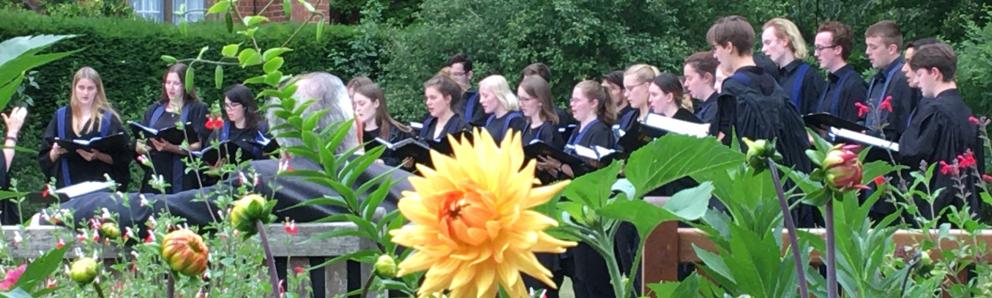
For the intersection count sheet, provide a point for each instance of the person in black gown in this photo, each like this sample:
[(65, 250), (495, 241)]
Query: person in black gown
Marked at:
[(373, 115), (784, 45), (538, 109), (441, 95), (636, 80), (502, 106), (87, 116), (243, 128), (846, 89), (939, 131), (699, 71), (613, 83), (9, 213), (176, 105), (762, 110)]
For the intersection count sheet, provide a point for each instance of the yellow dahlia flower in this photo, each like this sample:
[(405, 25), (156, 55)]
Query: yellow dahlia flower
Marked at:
[(472, 228)]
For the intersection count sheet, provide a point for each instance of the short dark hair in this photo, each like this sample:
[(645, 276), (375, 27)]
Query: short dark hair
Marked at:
[(940, 56), (462, 58), (888, 31), (841, 35), (538, 69), (240, 94), (703, 63), (921, 42), (733, 29)]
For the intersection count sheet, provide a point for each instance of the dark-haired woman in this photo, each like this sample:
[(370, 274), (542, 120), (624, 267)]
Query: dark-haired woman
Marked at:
[(373, 114), (176, 105)]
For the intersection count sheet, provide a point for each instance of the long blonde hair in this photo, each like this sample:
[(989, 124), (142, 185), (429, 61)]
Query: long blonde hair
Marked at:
[(786, 29), (99, 106), (498, 86)]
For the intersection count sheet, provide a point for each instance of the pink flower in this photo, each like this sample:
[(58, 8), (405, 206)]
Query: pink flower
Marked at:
[(60, 244), (12, 277), (987, 178), (886, 104), (949, 169), (290, 227), (879, 180), (974, 121), (298, 269), (862, 109), (842, 167), (967, 160)]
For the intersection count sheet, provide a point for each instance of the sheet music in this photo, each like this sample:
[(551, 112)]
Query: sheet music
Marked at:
[(677, 126), (83, 188), (416, 125), (864, 139)]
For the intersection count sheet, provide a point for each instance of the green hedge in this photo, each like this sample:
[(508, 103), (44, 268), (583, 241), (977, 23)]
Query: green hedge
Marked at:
[(127, 53)]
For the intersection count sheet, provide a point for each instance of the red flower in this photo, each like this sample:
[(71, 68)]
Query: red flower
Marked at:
[(879, 180), (290, 227), (44, 191), (862, 109), (967, 160), (59, 244), (12, 277), (843, 169), (949, 169), (973, 120), (298, 269), (214, 123), (987, 178), (886, 104)]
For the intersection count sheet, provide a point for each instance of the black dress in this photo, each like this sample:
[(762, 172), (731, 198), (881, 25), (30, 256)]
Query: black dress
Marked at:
[(8, 209), (499, 127), (71, 168), (939, 131), (395, 135), (803, 83), (594, 134), (169, 165)]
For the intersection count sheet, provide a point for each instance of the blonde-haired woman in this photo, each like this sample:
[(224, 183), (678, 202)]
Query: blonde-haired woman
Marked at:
[(502, 106), (784, 45), (87, 116), (636, 80)]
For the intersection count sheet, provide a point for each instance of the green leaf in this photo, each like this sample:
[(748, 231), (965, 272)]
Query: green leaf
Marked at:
[(229, 22), (168, 59), (274, 52), (676, 156), (252, 21), (184, 28), (249, 57), (688, 204), (190, 82), (320, 30), (231, 50), (273, 78), (16, 293), (593, 189), (273, 65), (218, 76), (41, 268), (287, 8), (875, 169), (220, 6), (27, 46)]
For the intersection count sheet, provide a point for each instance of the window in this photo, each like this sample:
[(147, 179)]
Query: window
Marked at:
[(170, 10)]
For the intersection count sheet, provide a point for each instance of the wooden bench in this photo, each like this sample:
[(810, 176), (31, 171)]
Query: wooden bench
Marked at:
[(668, 246), (37, 240)]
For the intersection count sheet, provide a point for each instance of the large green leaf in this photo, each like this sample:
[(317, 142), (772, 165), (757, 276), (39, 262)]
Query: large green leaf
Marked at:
[(688, 204), (41, 269), (18, 55), (593, 189), (17, 46), (676, 156)]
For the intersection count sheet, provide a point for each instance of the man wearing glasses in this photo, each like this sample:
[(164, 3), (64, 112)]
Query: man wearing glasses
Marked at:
[(846, 90), (460, 67)]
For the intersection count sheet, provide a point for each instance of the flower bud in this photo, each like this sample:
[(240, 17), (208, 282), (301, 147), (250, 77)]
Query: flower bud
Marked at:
[(185, 252), (249, 209), (84, 270), (758, 151), (110, 230), (842, 169), (385, 266)]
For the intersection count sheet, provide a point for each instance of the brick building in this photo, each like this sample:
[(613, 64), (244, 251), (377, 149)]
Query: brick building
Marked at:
[(166, 10)]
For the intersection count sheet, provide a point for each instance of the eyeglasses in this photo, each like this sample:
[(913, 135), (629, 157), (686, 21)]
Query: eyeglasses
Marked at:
[(821, 48), (232, 105)]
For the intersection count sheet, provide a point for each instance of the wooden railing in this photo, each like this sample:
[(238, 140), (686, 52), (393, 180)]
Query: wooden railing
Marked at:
[(38, 240), (669, 246)]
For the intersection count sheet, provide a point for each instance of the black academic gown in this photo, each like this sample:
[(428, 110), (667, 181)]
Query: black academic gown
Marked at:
[(472, 112), (8, 209), (546, 133), (248, 141), (455, 125), (845, 89), (169, 165), (626, 119), (76, 168), (395, 135), (501, 126), (596, 133), (939, 131), (803, 83), (890, 83)]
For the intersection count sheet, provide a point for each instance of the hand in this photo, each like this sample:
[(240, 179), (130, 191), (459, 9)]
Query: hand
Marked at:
[(164, 146), (88, 155), (408, 163), (14, 121), (545, 163), (56, 152)]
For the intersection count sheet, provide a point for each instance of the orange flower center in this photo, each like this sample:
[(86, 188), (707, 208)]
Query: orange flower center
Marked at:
[(451, 211), (463, 216)]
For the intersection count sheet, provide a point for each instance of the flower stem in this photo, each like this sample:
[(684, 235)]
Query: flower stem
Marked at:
[(273, 275), (831, 250), (170, 287), (99, 292), (790, 224)]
